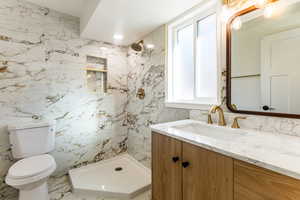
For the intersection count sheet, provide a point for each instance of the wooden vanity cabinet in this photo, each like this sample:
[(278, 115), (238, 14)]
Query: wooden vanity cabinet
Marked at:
[(166, 168), (255, 183), (182, 171), (209, 175)]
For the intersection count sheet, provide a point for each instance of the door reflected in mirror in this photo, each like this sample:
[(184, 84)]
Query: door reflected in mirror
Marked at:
[(265, 61)]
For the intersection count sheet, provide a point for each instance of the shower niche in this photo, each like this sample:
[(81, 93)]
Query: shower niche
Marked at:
[(96, 74)]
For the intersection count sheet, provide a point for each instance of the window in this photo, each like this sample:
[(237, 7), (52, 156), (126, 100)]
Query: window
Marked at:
[(192, 61), (183, 68)]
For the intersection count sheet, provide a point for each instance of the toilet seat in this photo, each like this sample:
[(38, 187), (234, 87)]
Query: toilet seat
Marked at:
[(31, 169), (31, 166)]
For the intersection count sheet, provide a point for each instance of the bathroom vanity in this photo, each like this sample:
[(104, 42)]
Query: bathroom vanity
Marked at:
[(192, 160)]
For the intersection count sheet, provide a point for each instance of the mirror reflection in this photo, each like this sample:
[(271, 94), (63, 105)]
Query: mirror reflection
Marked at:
[(265, 60)]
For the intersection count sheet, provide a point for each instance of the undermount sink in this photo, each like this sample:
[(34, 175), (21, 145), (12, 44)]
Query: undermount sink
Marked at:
[(211, 131)]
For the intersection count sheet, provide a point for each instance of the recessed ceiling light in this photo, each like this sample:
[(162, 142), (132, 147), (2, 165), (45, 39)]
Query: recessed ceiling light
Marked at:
[(150, 46), (118, 37)]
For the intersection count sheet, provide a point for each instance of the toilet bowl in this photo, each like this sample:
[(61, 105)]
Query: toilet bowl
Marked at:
[(30, 144), (30, 176)]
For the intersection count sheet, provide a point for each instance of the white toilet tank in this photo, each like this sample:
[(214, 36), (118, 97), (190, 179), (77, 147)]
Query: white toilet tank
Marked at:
[(31, 139)]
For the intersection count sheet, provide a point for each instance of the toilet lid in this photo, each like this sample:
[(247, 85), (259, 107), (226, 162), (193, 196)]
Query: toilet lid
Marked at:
[(31, 166)]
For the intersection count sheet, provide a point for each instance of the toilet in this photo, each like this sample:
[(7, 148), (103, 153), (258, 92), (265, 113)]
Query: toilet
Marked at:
[(30, 144)]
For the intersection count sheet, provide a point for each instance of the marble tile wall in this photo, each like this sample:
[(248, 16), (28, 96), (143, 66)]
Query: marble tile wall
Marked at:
[(147, 71), (41, 74)]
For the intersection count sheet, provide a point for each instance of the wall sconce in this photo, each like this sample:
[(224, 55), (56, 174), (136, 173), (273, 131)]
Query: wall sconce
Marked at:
[(233, 4), (261, 3), (227, 9), (226, 13), (237, 23), (269, 11)]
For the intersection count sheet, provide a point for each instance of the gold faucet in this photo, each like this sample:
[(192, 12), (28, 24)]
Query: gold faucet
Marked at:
[(209, 119), (235, 123), (218, 109)]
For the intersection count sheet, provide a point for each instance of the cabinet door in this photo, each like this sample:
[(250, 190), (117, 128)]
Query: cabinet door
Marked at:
[(209, 176), (166, 168), (255, 183)]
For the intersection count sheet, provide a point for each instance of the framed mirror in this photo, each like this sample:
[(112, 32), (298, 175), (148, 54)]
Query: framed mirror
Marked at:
[(263, 61)]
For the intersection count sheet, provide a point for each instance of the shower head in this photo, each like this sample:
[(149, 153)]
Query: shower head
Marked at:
[(138, 47)]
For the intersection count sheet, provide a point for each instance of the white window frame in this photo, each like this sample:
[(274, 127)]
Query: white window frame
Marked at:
[(191, 17)]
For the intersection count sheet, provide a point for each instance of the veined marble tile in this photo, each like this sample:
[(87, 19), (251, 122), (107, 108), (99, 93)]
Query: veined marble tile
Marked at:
[(147, 71), (42, 58)]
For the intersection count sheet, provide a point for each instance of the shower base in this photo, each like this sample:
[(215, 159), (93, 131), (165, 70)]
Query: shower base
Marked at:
[(119, 177)]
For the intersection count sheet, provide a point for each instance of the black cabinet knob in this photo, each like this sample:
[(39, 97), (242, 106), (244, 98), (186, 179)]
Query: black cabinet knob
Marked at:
[(175, 159), (266, 108), (185, 164)]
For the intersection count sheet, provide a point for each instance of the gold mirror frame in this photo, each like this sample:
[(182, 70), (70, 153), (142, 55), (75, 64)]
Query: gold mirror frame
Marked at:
[(231, 107)]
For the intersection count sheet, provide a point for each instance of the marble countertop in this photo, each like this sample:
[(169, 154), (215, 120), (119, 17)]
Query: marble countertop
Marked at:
[(279, 153)]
